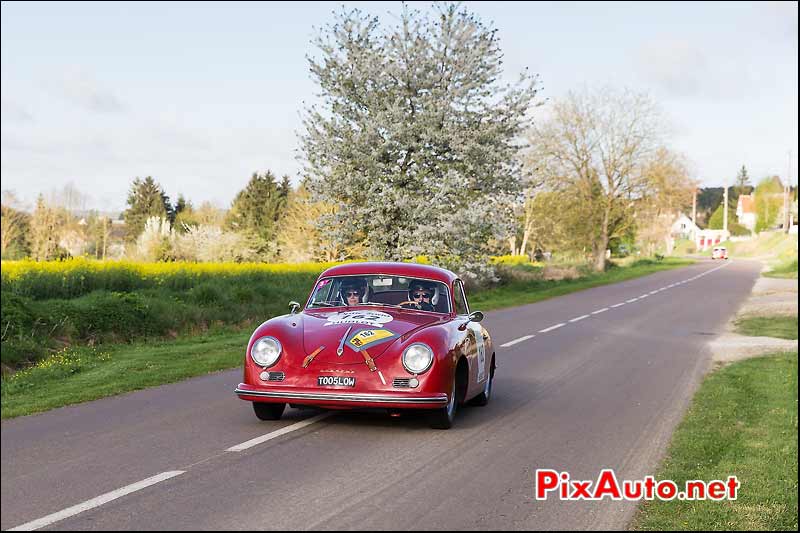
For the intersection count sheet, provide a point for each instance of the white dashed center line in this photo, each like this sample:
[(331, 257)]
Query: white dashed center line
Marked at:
[(617, 305), (579, 318), (551, 328), (517, 341), (603, 310), (283, 431), (631, 300), (96, 502)]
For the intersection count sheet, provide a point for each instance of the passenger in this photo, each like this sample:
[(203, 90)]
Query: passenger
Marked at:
[(352, 291)]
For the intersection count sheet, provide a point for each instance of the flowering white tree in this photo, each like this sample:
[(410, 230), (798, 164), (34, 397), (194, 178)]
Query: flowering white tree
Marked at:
[(156, 237), (415, 141), (211, 244)]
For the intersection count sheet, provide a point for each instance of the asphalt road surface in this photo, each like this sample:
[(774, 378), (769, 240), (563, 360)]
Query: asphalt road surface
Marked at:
[(603, 390)]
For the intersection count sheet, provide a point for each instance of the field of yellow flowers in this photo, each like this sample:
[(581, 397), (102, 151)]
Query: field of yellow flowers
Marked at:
[(49, 305)]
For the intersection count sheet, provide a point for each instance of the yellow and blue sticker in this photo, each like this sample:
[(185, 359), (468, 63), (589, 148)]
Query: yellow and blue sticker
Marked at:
[(370, 337)]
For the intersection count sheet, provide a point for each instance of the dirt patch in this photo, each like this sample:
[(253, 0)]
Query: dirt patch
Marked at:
[(733, 347), (558, 273), (769, 297)]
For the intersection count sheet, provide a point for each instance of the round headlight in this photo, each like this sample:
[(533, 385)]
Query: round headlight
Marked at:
[(417, 358), (265, 351)]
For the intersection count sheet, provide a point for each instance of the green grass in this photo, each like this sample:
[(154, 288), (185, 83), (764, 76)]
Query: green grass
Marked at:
[(520, 292), (78, 374), (782, 327), (33, 327), (787, 270), (742, 422)]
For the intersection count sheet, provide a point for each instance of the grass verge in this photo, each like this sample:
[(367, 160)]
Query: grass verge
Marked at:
[(742, 422), (781, 327), (786, 270), (79, 374)]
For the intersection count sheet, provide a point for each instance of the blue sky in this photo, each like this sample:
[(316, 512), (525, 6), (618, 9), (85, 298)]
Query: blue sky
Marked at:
[(201, 95)]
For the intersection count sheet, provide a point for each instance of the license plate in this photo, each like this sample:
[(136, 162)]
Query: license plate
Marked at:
[(336, 381)]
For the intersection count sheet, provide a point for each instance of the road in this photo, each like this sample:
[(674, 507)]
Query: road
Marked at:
[(604, 390)]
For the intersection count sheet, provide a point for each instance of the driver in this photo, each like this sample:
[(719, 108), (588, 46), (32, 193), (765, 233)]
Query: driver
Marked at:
[(352, 291), (419, 296)]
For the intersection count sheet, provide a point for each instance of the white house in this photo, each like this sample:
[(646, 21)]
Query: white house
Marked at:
[(746, 211), (684, 228)]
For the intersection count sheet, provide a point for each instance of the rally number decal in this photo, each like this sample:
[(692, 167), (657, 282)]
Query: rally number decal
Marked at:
[(368, 337)]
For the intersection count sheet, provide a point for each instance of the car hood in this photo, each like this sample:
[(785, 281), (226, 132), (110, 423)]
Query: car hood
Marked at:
[(357, 330)]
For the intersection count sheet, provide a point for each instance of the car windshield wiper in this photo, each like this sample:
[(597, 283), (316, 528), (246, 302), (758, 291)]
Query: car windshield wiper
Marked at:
[(382, 305), (325, 304)]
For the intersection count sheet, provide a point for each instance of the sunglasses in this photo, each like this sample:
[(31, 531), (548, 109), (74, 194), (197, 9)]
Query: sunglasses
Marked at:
[(353, 293), (418, 295)]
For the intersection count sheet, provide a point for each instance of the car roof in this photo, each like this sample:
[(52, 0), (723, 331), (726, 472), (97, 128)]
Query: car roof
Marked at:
[(411, 270)]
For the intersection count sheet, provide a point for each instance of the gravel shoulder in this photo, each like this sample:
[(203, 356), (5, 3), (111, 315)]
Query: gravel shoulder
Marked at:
[(769, 297)]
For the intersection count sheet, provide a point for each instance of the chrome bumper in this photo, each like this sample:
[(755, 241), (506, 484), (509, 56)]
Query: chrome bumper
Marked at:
[(344, 397)]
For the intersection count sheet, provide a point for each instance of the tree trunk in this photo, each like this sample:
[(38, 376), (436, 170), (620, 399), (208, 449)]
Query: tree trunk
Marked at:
[(524, 244), (602, 244)]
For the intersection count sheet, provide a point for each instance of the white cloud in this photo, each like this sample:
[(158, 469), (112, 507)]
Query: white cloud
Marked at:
[(14, 113), (83, 90)]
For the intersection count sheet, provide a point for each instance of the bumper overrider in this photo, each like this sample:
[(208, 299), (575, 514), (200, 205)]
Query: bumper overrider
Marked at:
[(341, 398)]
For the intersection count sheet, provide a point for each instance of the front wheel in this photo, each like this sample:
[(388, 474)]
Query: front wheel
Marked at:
[(268, 411), (443, 418)]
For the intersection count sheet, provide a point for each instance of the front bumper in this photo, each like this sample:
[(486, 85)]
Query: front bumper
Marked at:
[(341, 399)]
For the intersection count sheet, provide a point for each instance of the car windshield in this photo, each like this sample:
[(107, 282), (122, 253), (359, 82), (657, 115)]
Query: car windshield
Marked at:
[(381, 291)]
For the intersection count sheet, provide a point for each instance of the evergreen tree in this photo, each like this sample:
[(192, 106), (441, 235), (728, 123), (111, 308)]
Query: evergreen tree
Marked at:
[(717, 221), (181, 205), (742, 183), (146, 199), (257, 208)]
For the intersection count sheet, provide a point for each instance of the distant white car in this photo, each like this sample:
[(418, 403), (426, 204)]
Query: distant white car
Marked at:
[(720, 252)]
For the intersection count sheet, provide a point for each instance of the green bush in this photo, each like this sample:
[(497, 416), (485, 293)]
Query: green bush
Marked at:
[(16, 315), (113, 316)]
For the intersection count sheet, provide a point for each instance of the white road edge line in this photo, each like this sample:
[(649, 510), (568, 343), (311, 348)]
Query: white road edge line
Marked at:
[(277, 433), (576, 319), (517, 341), (551, 328), (603, 310), (96, 502)]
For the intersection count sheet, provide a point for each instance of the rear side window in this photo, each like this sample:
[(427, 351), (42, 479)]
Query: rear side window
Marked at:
[(461, 300)]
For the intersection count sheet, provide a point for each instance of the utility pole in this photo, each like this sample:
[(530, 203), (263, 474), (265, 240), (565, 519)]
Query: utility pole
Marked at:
[(725, 210), (694, 215), (786, 190)]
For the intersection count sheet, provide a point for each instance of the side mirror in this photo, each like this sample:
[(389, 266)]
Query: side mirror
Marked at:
[(295, 306), (475, 316)]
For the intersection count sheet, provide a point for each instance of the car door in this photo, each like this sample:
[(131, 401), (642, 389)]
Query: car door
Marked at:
[(475, 347)]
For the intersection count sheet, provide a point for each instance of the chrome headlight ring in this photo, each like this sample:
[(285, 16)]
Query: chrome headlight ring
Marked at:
[(266, 351), (417, 358)]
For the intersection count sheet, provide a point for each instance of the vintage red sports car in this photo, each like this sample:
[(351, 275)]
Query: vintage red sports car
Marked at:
[(373, 335)]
